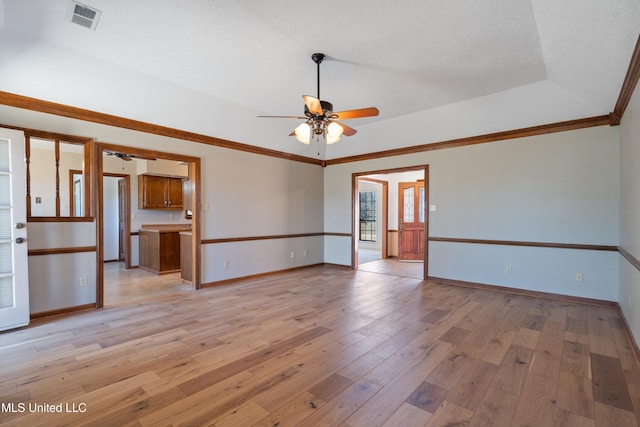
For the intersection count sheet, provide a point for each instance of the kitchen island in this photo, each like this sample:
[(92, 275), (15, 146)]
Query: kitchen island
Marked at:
[(159, 246)]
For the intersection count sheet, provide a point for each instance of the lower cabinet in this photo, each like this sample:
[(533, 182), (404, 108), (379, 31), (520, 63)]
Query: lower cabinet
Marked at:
[(159, 250), (185, 256)]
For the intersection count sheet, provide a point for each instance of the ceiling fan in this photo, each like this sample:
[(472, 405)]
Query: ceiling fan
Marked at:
[(319, 118), (126, 157)]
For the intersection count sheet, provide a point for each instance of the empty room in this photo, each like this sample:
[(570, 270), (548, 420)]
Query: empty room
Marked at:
[(354, 213)]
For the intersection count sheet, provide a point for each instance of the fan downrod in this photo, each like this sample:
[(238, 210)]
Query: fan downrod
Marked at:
[(318, 58)]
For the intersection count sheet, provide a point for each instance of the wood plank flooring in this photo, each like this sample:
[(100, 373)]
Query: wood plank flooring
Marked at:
[(392, 266), (324, 346), (125, 286)]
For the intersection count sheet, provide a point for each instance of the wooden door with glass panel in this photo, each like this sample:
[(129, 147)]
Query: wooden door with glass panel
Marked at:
[(411, 221)]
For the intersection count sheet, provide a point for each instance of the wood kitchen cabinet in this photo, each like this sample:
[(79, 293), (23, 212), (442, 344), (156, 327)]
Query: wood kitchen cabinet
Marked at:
[(159, 247), (186, 255), (159, 192)]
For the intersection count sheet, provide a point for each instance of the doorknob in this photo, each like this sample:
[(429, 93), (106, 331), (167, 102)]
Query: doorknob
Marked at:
[(20, 225), (21, 240)]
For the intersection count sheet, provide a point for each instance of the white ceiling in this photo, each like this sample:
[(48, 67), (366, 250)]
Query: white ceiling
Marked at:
[(436, 69)]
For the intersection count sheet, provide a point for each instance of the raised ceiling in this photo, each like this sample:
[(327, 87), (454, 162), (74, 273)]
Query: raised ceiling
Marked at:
[(437, 70)]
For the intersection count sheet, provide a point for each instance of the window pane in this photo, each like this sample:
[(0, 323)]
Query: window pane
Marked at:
[(6, 258), (6, 292), (4, 155), (5, 223), (5, 190), (367, 216), (421, 213), (408, 204)]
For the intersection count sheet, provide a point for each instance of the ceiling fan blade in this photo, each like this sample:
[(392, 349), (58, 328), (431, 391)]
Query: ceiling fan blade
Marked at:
[(120, 156), (313, 104), (346, 130), (284, 117), (356, 114)]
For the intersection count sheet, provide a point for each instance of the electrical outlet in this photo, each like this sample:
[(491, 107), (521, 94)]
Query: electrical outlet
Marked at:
[(226, 263), (83, 281), (507, 269), (292, 255), (579, 277), (306, 253)]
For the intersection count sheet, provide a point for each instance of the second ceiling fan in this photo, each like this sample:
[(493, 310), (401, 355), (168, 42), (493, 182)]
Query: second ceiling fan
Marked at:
[(320, 119)]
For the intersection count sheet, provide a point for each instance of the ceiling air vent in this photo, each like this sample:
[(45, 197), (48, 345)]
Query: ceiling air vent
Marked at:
[(84, 15)]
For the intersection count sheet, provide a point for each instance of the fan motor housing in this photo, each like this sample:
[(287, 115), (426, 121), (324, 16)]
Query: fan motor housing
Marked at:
[(327, 108)]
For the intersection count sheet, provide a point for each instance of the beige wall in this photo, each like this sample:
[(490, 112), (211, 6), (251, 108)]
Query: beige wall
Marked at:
[(243, 195), (561, 188), (630, 212)]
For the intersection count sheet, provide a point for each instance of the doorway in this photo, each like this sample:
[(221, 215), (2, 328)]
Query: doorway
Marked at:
[(117, 214), (392, 221), (128, 271)]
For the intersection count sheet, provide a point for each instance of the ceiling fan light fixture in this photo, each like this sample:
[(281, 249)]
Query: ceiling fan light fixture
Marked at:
[(334, 131), (332, 139), (303, 133), (320, 118)]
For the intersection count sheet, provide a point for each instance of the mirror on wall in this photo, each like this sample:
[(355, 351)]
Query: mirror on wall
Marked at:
[(57, 177)]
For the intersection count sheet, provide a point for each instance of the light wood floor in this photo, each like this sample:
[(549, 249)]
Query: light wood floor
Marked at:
[(326, 346), (394, 267), (123, 286)]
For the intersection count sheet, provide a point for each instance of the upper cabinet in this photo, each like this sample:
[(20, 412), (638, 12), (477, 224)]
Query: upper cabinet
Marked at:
[(159, 192)]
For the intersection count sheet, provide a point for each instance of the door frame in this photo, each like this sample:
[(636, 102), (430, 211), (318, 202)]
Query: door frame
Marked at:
[(194, 177), (354, 218), (385, 214), (127, 214)]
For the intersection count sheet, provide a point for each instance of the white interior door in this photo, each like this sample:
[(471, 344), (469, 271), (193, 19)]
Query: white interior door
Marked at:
[(14, 272)]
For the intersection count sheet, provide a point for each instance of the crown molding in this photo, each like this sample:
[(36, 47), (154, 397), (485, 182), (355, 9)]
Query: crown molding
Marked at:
[(42, 106), (628, 85), (481, 139), (33, 104)]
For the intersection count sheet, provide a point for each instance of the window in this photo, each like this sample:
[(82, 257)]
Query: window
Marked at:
[(58, 185), (368, 216)]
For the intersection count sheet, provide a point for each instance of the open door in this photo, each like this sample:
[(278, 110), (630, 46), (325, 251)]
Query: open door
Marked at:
[(14, 272), (411, 219), (122, 218)]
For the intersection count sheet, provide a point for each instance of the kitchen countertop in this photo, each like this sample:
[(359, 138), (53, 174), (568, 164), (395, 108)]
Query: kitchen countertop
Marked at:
[(165, 228)]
